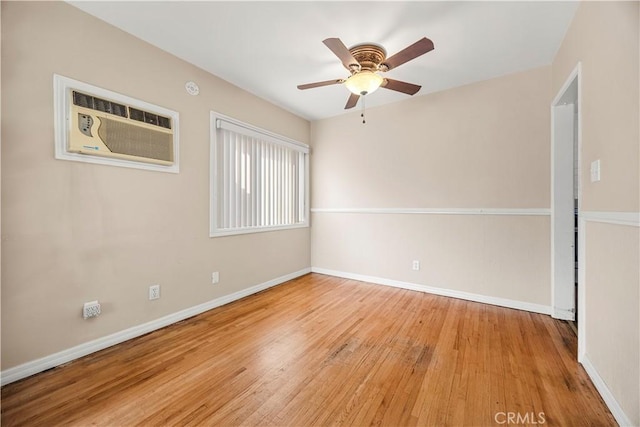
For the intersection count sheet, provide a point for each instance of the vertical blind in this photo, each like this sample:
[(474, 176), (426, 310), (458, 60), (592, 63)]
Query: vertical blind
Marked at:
[(260, 181)]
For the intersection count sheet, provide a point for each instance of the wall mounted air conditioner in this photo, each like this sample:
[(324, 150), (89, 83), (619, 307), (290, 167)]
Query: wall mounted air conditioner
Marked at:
[(100, 126)]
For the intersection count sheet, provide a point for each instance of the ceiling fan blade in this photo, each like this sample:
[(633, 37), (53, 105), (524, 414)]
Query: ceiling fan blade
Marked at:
[(319, 84), (398, 86), (420, 47), (341, 51), (352, 101)]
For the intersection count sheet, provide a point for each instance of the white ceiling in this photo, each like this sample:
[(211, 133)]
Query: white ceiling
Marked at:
[(268, 48)]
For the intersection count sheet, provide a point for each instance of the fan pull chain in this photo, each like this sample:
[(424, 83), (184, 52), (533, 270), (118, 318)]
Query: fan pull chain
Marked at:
[(363, 107)]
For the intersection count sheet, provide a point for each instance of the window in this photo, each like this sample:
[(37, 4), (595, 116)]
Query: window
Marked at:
[(259, 180)]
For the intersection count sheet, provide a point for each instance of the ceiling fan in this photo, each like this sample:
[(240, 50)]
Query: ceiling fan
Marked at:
[(365, 62)]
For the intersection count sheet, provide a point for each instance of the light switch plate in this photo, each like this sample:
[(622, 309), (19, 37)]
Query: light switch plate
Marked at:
[(595, 171)]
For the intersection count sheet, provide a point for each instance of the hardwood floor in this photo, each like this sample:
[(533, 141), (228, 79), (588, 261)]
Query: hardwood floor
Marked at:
[(321, 350)]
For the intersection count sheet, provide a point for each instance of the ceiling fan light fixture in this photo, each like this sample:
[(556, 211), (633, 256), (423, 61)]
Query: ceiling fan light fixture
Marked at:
[(364, 82)]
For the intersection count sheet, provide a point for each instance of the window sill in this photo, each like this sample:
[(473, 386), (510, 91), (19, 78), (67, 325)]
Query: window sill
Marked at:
[(222, 233)]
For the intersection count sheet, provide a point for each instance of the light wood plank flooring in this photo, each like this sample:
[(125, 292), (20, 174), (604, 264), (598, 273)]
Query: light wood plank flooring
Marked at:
[(321, 350)]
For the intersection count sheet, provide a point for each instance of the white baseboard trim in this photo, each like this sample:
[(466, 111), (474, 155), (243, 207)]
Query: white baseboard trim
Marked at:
[(563, 314), (502, 302), (30, 368), (606, 394)]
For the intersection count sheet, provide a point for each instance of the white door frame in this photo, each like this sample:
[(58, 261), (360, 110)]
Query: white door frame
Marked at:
[(562, 209), (562, 299)]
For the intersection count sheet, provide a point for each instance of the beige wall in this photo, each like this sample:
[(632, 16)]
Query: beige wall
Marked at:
[(604, 38), (75, 232), (484, 145), (612, 307), (494, 256)]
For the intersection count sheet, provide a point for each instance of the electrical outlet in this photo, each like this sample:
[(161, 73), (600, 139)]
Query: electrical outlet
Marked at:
[(154, 292), (215, 277), (415, 265), (90, 309)]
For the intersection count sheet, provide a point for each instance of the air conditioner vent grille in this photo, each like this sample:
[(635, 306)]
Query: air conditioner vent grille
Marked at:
[(106, 106), (99, 104), (150, 118), (82, 100), (165, 122), (110, 107), (136, 114), (123, 138)]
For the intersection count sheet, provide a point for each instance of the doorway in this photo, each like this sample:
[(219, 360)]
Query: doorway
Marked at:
[(565, 202)]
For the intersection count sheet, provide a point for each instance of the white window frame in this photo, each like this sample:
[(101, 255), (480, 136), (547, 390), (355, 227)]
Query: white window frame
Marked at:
[(217, 119)]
